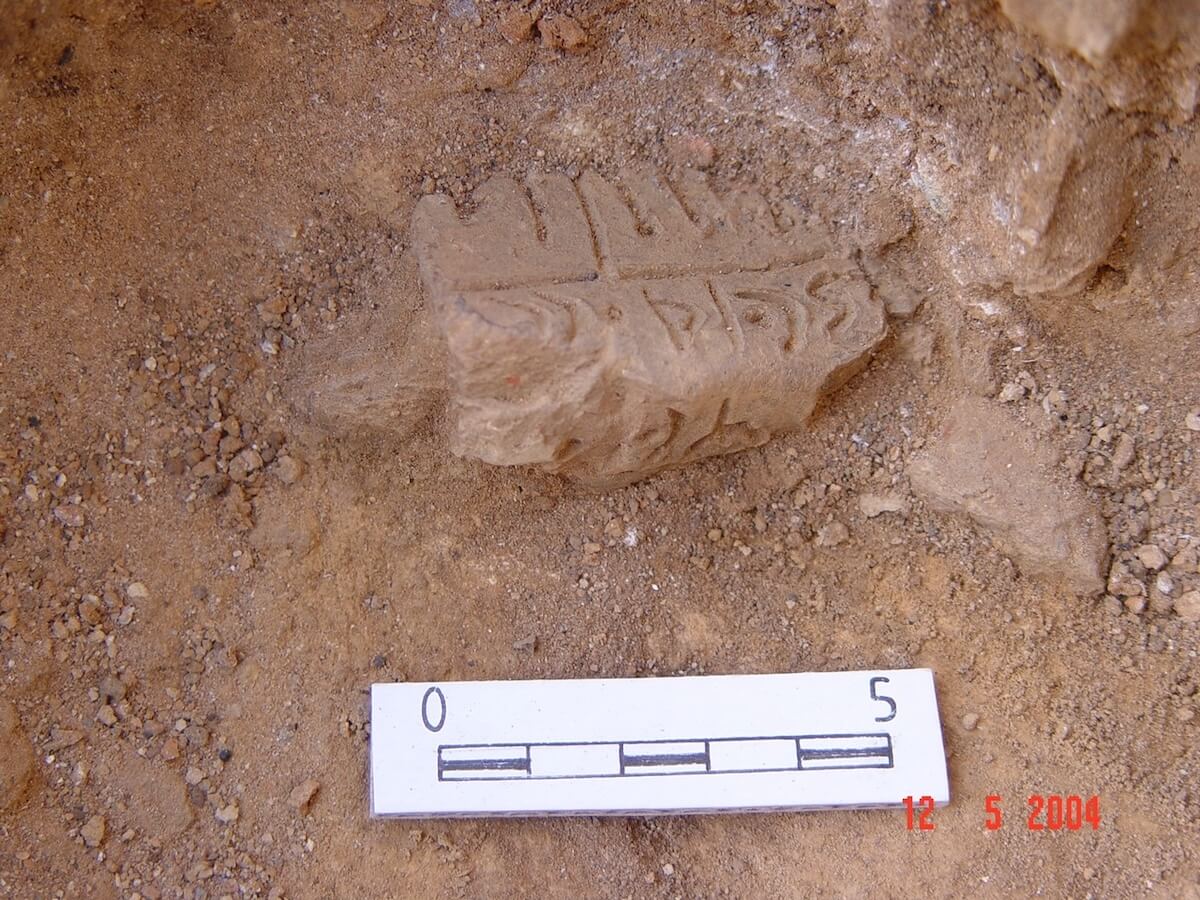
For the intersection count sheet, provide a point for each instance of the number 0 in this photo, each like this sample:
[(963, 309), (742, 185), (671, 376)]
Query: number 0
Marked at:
[(441, 707)]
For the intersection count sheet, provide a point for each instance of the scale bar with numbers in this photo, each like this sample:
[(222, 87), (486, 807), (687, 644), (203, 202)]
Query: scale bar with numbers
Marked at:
[(656, 745)]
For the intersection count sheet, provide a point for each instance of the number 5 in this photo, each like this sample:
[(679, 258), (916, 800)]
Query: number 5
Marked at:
[(883, 698)]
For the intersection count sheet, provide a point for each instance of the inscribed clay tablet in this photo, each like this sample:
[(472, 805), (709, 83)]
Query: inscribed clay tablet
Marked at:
[(609, 329)]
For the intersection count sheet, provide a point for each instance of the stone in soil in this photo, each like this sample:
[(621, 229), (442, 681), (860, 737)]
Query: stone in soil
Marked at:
[(93, 831), (1153, 558), (245, 464), (303, 794), (289, 469), (227, 814), (527, 644), (1070, 194), (988, 467), (1123, 452), (832, 534), (70, 515), (873, 505), (1092, 28), (516, 25), (112, 689), (1188, 606), (562, 32)]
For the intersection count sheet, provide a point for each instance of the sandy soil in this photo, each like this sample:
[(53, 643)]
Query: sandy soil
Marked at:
[(202, 204)]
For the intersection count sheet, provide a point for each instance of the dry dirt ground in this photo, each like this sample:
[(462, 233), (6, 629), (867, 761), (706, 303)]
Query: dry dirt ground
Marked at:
[(205, 205)]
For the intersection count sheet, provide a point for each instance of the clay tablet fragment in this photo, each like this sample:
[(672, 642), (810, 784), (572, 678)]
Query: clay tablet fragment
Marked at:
[(986, 465), (609, 329)]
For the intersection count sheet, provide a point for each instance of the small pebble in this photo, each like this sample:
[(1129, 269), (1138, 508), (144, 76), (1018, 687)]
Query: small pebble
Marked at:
[(70, 515), (90, 609), (112, 689), (970, 721), (228, 814), (527, 644), (516, 25), (832, 534), (561, 32), (1151, 557), (1193, 420), (301, 797), (1012, 392), (1123, 453), (873, 505), (1055, 403), (93, 830), (1187, 607), (245, 464), (289, 469), (206, 468)]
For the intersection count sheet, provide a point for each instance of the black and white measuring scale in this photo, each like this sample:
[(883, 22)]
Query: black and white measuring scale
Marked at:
[(630, 746)]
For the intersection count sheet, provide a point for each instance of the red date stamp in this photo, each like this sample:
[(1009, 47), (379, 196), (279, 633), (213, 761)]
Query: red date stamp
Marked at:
[(1043, 812)]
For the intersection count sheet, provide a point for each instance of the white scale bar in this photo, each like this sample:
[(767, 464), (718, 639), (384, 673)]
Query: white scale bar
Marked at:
[(656, 745)]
